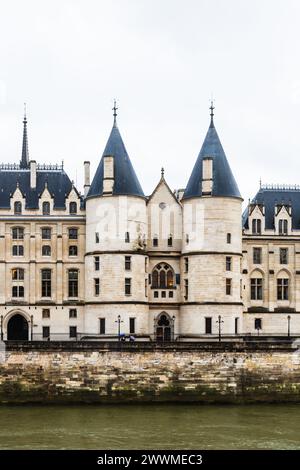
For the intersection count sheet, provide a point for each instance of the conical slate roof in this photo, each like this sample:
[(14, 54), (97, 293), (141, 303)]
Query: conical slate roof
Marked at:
[(126, 181), (224, 183)]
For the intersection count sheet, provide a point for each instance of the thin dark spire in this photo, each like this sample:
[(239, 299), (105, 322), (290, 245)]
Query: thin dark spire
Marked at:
[(25, 154), (162, 172), (212, 113), (115, 113)]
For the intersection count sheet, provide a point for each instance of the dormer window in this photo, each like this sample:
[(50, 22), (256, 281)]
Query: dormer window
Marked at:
[(18, 208), (283, 227), (256, 226), (46, 208), (73, 207)]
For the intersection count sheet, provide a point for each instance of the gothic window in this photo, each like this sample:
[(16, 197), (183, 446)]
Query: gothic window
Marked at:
[(73, 207), (163, 277), (18, 208), (73, 282), (46, 208), (282, 289), (256, 226), (256, 288)]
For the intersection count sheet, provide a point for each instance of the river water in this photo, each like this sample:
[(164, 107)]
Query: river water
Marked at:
[(150, 427)]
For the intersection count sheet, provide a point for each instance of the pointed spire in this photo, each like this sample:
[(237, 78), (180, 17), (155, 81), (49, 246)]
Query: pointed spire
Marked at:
[(162, 173), (25, 154), (114, 109), (211, 113)]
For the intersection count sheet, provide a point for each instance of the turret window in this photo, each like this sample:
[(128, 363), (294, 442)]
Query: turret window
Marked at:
[(170, 240), (97, 286), (97, 263), (127, 286), (283, 227), (186, 265), (162, 277), (73, 207), (228, 286), (97, 238), (155, 240), (127, 263), (228, 263), (186, 289), (46, 208), (127, 237), (256, 226), (18, 208), (228, 237)]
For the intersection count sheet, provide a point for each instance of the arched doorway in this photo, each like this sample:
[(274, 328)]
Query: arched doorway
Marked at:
[(17, 328), (164, 328)]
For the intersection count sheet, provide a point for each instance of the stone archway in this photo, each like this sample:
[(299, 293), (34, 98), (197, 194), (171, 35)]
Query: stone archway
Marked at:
[(17, 328)]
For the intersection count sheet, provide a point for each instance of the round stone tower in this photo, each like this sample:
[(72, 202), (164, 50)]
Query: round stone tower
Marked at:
[(212, 245), (116, 260)]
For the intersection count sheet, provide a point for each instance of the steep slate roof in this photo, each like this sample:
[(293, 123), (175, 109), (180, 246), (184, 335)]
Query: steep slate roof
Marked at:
[(58, 184), (126, 181), (224, 183), (270, 198)]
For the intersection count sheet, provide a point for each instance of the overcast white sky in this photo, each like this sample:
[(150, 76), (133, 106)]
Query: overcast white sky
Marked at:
[(161, 59)]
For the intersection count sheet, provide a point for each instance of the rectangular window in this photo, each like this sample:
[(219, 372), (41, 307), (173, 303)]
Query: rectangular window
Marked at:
[(228, 286), (236, 326), (170, 240), (73, 233), (282, 289), (73, 250), (46, 332), (283, 255), (46, 233), (257, 323), (73, 313), (73, 331), (228, 263), (186, 265), (18, 291), (155, 294), (18, 250), (186, 289), (256, 289), (146, 265), (73, 282), (146, 288), (97, 237), (97, 286), (127, 237), (187, 238), (257, 255), (228, 237), (97, 263), (171, 294), (163, 294), (155, 241), (127, 263), (45, 313), (18, 233), (208, 325), (46, 282), (127, 286), (102, 326), (131, 326), (256, 226)]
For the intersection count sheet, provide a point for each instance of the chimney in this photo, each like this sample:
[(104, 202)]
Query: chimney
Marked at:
[(207, 176), (32, 165), (87, 182), (108, 174)]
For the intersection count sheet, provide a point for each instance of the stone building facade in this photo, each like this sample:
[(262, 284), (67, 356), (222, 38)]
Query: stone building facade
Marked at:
[(183, 264)]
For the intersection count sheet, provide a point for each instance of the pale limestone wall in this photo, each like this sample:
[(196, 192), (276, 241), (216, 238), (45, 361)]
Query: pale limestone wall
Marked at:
[(105, 376), (272, 323), (192, 319)]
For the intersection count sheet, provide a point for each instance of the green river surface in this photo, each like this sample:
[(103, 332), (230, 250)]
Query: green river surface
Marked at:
[(153, 426)]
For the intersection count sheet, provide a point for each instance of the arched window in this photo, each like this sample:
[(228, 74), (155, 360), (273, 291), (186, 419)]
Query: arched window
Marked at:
[(256, 286), (73, 207), (46, 250), (46, 208), (283, 286), (163, 277), (17, 207)]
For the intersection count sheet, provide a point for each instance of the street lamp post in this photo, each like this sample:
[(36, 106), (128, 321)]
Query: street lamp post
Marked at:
[(289, 325), (173, 327), (119, 321), (220, 321)]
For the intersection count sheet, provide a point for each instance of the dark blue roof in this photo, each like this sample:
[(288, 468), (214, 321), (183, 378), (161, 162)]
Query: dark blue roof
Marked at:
[(126, 181), (224, 183), (58, 184), (269, 198)]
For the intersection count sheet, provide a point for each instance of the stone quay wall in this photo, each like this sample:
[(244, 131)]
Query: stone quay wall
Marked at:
[(114, 373)]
